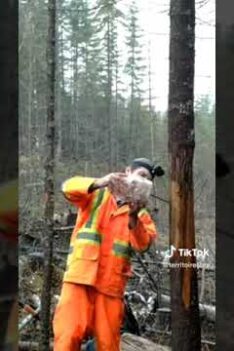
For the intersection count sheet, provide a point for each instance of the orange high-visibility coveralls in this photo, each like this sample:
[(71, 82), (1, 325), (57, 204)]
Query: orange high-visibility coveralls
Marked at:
[(98, 267)]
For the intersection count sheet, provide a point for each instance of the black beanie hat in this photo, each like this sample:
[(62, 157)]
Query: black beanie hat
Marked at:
[(154, 170)]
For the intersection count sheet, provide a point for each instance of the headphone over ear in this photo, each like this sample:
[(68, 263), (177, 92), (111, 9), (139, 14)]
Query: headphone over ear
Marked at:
[(154, 169), (158, 171)]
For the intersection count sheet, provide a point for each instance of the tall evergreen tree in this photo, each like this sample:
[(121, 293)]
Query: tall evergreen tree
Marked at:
[(108, 14), (135, 70)]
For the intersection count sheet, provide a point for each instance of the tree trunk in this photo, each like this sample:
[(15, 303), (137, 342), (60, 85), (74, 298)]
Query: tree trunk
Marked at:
[(132, 116), (184, 293), (74, 125), (30, 95), (109, 94), (116, 138), (60, 88), (151, 118), (49, 180)]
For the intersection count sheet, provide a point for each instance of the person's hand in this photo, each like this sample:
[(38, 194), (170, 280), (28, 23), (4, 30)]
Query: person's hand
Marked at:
[(117, 183), (111, 180), (135, 207), (103, 182)]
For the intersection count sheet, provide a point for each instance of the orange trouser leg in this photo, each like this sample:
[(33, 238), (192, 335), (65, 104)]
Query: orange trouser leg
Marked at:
[(72, 317), (107, 322)]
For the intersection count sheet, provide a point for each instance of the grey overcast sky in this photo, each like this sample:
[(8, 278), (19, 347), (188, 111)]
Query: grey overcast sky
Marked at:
[(155, 24), (154, 21)]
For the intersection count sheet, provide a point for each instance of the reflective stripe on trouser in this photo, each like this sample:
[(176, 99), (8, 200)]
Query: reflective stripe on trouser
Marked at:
[(83, 311)]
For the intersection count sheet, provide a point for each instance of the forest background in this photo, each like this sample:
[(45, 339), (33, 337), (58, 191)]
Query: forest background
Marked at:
[(111, 106)]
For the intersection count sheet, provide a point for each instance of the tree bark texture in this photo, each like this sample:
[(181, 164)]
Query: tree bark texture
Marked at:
[(49, 179), (184, 292)]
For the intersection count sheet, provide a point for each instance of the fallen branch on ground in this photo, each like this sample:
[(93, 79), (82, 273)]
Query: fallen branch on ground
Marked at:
[(129, 342)]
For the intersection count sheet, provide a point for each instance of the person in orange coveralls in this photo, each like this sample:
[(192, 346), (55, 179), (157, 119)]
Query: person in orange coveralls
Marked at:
[(98, 264)]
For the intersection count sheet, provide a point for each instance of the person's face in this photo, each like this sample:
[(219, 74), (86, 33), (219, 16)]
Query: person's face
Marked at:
[(140, 171)]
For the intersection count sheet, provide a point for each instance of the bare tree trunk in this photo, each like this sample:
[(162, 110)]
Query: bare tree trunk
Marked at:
[(49, 179), (116, 114), (30, 96), (75, 127), (184, 292), (109, 94), (60, 92), (152, 124)]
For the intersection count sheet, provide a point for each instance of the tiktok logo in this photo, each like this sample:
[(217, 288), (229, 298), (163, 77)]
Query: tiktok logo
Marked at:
[(169, 253), (187, 252)]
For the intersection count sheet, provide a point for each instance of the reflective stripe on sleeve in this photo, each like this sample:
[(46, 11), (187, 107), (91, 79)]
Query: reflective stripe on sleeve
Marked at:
[(94, 211), (121, 249), (89, 236)]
